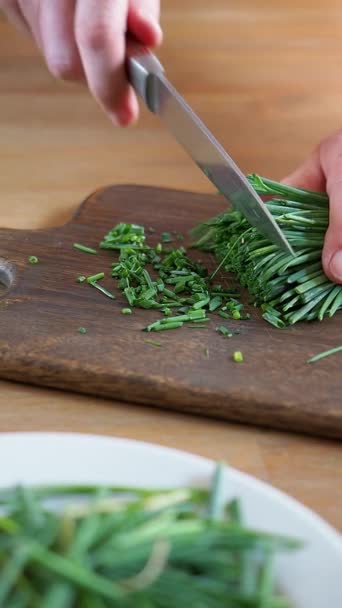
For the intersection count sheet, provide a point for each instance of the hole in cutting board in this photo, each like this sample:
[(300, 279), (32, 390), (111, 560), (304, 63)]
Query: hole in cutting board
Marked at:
[(7, 274)]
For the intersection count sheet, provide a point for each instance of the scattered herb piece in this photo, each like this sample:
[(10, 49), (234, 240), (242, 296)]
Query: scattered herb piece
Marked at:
[(325, 353), (81, 279), (103, 290), (206, 353), (33, 259), (159, 248), (128, 237), (166, 237), (95, 277), (164, 326), (85, 249), (215, 303), (82, 330), (238, 356), (126, 311), (225, 331), (153, 342)]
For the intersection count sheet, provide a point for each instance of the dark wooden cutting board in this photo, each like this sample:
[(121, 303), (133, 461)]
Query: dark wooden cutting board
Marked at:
[(44, 307)]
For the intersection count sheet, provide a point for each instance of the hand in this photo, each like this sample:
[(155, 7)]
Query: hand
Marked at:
[(322, 171), (86, 40)]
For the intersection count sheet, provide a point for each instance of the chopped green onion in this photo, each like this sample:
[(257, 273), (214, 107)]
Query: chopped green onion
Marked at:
[(238, 356), (326, 353), (153, 342), (85, 249), (33, 259), (81, 279), (126, 311), (103, 290), (95, 277), (82, 330), (164, 326), (223, 330)]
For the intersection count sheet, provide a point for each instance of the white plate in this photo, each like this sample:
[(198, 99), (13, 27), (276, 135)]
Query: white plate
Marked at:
[(312, 578)]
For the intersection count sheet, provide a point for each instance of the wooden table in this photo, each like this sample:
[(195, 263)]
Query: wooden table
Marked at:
[(268, 82)]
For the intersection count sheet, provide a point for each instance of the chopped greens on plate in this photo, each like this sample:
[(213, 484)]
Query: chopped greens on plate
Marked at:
[(96, 547)]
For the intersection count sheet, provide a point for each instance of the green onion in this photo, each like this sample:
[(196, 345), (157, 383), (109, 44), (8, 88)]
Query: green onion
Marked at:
[(103, 290), (81, 279), (238, 356), (95, 277), (82, 330), (135, 547), (325, 353), (85, 249), (126, 311), (225, 331), (33, 259), (288, 289), (153, 342)]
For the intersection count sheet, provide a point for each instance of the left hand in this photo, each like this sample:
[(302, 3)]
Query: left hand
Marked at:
[(322, 172)]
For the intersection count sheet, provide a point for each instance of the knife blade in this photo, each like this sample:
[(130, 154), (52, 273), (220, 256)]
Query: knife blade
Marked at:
[(147, 77)]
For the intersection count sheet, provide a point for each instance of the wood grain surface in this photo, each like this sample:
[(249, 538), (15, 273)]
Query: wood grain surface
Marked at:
[(266, 78), (44, 308)]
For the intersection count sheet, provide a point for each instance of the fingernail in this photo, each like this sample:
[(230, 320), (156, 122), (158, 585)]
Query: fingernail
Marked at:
[(336, 266)]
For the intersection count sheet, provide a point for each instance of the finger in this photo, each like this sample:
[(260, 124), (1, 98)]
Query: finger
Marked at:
[(58, 39), (101, 38), (331, 160), (143, 21), (30, 12), (14, 14), (309, 175)]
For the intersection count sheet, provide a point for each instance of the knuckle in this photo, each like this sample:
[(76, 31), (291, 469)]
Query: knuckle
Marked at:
[(95, 36)]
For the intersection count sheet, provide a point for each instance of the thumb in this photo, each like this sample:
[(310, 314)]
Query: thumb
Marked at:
[(331, 159)]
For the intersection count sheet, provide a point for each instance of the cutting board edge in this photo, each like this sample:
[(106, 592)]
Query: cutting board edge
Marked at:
[(194, 402)]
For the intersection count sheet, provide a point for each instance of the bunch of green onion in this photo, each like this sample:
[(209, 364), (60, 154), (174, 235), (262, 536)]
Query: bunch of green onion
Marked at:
[(288, 289), (133, 548)]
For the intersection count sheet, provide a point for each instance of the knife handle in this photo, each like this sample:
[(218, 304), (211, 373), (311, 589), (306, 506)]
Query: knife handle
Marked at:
[(144, 71)]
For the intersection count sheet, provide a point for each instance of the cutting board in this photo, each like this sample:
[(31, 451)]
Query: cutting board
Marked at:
[(44, 306)]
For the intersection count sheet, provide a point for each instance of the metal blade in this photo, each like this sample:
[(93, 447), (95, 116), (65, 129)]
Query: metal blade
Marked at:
[(211, 158)]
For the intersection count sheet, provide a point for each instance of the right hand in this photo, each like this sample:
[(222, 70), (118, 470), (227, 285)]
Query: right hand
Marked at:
[(322, 171), (86, 40)]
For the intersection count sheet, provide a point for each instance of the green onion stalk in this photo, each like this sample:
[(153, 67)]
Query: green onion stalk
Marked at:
[(134, 548), (287, 288)]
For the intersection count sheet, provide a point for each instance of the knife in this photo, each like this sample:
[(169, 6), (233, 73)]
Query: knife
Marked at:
[(147, 77)]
